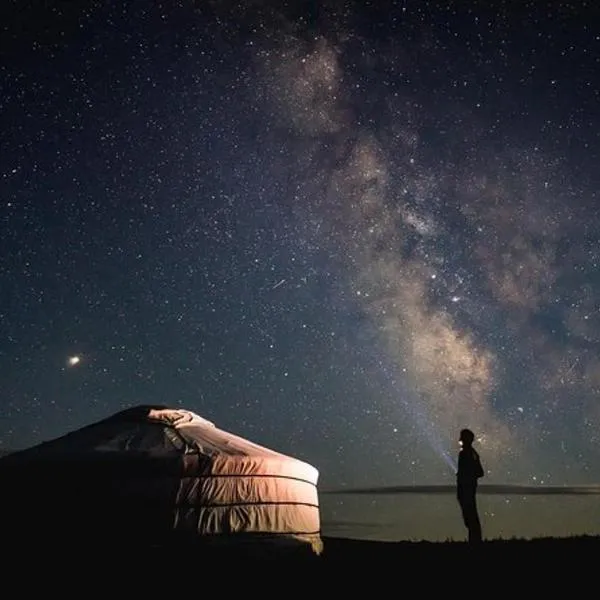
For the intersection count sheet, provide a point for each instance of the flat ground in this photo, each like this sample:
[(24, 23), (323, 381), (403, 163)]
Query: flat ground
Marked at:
[(349, 567)]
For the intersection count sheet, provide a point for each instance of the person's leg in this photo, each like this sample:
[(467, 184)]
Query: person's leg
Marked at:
[(464, 510), (473, 522)]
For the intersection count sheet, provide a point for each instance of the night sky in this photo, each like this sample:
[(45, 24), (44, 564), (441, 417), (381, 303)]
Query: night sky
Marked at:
[(344, 230)]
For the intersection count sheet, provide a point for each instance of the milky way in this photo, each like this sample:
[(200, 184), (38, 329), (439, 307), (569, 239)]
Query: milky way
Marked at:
[(340, 230), (458, 259)]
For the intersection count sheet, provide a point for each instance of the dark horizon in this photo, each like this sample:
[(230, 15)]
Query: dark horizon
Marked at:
[(485, 489)]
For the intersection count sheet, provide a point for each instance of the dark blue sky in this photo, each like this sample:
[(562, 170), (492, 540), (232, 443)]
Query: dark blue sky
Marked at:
[(342, 230)]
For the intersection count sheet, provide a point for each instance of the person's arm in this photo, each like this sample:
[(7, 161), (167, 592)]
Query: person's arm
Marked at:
[(477, 466)]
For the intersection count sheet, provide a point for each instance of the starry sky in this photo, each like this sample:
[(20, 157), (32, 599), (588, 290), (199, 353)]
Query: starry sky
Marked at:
[(344, 230)]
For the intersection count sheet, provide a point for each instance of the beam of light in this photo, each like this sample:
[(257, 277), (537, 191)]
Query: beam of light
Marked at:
[(420, 418), (426, 426), (499, 489)]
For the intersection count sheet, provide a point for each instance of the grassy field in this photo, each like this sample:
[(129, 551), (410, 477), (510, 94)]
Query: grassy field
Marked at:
[(517, 568)]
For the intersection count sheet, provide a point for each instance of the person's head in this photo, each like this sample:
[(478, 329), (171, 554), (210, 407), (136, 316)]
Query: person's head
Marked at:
[(466, 437)]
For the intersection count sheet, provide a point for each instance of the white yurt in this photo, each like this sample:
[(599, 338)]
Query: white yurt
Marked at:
[(156, 473)]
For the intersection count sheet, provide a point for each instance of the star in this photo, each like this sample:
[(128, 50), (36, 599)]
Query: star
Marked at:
[(73, 360)]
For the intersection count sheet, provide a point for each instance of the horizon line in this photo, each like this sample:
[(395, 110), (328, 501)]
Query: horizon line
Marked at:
[(491, 489)]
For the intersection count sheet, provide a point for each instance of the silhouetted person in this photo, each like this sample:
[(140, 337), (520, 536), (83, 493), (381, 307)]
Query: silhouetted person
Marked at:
[(469, 471)]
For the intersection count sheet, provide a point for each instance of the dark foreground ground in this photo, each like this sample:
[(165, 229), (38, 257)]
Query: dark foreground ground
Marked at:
[(517, 568)]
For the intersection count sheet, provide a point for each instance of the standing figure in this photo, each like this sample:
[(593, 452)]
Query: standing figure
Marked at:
[(469, 471)]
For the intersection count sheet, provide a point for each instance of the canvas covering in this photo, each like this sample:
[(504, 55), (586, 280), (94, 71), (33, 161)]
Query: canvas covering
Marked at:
[(159, 468)]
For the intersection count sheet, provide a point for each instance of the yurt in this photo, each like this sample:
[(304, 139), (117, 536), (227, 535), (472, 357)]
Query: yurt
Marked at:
[(153, 474)]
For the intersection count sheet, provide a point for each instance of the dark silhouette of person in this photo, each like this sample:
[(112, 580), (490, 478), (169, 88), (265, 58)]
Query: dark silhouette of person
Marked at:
[(469, 472)]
